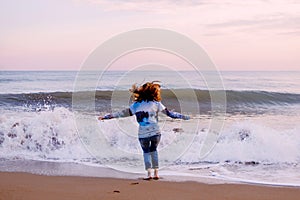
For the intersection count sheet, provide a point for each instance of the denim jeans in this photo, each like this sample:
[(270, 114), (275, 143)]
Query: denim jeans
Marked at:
[(149, 146)]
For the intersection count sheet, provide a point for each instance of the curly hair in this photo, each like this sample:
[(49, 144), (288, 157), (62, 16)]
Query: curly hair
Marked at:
[(149, 91)]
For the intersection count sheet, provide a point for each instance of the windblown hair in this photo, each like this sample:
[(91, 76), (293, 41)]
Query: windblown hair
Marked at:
[(150, 91)]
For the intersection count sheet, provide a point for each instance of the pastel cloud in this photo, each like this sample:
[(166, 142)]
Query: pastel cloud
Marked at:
[(218, 17), (62, 33)]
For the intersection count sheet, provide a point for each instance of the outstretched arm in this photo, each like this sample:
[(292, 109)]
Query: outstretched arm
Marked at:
[(124, 113), (175, 115)]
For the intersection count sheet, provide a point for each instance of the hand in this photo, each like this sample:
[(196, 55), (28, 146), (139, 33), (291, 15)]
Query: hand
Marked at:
[(108, 116), (100, 118)]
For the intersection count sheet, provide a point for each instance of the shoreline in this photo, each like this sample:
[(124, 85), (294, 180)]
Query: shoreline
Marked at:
[(20, 185), (71, 169)]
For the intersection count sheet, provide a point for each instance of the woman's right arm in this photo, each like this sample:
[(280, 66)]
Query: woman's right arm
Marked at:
[(124, 113)]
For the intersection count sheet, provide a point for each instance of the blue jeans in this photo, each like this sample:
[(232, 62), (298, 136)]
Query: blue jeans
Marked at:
[(149, 146)]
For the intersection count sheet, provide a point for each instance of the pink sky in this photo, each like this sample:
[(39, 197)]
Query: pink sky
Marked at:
[(237, 35)]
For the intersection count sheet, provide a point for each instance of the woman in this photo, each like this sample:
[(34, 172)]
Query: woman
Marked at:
[(147, 104)]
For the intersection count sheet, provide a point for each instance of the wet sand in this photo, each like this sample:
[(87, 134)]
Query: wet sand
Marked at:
[(29, 186)]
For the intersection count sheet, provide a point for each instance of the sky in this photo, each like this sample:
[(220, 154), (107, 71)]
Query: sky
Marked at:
[(236, 34)]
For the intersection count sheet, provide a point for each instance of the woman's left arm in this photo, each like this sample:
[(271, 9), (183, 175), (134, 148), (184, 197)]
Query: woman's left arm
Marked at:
[(175, 115)]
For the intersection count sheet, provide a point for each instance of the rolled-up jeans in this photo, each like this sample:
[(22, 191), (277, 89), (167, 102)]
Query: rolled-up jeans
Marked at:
[(149, 146)]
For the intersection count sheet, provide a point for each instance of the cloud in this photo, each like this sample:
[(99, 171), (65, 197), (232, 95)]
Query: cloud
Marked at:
[(292, 33), (162, 6), (280, 23), (280, 20), (212, 14)]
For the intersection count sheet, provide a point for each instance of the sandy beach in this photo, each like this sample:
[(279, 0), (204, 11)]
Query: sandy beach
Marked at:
[(29, 186)]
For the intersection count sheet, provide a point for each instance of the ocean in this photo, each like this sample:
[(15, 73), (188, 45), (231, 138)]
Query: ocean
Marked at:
[(242, 129)]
